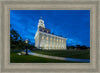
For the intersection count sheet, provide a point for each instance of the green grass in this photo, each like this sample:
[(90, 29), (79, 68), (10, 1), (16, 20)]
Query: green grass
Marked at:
[(81, 54), (15, 58)]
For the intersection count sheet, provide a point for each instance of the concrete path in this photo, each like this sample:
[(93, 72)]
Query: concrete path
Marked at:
[(58, 58), (47, 56)]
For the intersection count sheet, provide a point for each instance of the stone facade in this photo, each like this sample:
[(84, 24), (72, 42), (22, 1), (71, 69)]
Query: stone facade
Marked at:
[(45, 40)]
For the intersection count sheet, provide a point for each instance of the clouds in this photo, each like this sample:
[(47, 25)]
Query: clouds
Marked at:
[(73, 24)]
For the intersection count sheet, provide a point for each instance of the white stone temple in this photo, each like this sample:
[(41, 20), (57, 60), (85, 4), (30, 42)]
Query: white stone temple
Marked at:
[(44, 39)]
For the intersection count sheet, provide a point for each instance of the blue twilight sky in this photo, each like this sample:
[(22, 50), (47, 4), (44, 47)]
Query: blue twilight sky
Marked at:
[(72, 24)]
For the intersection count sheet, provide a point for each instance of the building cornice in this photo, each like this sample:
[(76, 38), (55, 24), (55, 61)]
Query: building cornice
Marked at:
[(52, 35)]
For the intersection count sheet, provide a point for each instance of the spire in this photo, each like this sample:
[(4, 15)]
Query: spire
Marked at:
[(41, 22)]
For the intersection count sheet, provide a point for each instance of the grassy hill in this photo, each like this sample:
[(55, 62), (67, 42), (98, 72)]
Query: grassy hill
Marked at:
[(15, 58), (82, 54)]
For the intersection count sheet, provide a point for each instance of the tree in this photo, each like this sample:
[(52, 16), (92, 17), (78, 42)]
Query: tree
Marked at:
[(78, 47), (71, 47), (14, 35), (83, 47), (15, 40)]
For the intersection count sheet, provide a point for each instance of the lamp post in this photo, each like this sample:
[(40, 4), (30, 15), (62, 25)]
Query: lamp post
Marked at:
[(26, 41)]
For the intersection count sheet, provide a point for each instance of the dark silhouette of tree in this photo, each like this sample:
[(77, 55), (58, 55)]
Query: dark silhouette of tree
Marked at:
[(15, 40), (71, 47), (83, 47), (17, 43), (78, 47), (15, 35)]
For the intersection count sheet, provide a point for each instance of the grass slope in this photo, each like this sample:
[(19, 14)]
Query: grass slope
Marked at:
[(15, 58), (82, 54)]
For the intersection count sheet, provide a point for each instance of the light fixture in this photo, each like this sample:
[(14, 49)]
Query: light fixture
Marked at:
[(26, 41)]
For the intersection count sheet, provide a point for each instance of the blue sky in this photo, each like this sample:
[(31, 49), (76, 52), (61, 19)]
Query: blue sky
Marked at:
[(72, 24)]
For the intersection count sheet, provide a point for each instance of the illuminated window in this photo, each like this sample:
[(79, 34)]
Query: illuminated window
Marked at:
[(62, 40), (47, 38), (47, 31), (54, 39), (42, 37), (50, 38), (57, 40), (47, 45)]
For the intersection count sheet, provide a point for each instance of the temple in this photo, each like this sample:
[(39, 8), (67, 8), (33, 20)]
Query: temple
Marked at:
[(44, 39)]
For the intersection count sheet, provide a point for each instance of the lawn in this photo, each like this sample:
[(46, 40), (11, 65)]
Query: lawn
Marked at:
[(81, 54), (15, 58)]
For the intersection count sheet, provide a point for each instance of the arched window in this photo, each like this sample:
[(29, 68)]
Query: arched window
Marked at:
[(42, 37), (51, 39), (47, 38)]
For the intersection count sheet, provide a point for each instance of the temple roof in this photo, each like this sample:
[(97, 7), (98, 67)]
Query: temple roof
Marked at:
[(44, 29)]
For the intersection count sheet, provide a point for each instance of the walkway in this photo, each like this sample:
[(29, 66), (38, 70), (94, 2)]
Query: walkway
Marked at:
[(58, 58)]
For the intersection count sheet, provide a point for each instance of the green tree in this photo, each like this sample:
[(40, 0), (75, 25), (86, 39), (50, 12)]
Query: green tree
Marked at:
[(15, 40), (14, 35), (71, 47), (78, 47)]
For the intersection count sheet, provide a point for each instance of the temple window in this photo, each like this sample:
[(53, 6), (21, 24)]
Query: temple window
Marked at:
[(47, 38), (47, 45), (54, 39), (57, 40), (50, 38), (42, 37)]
